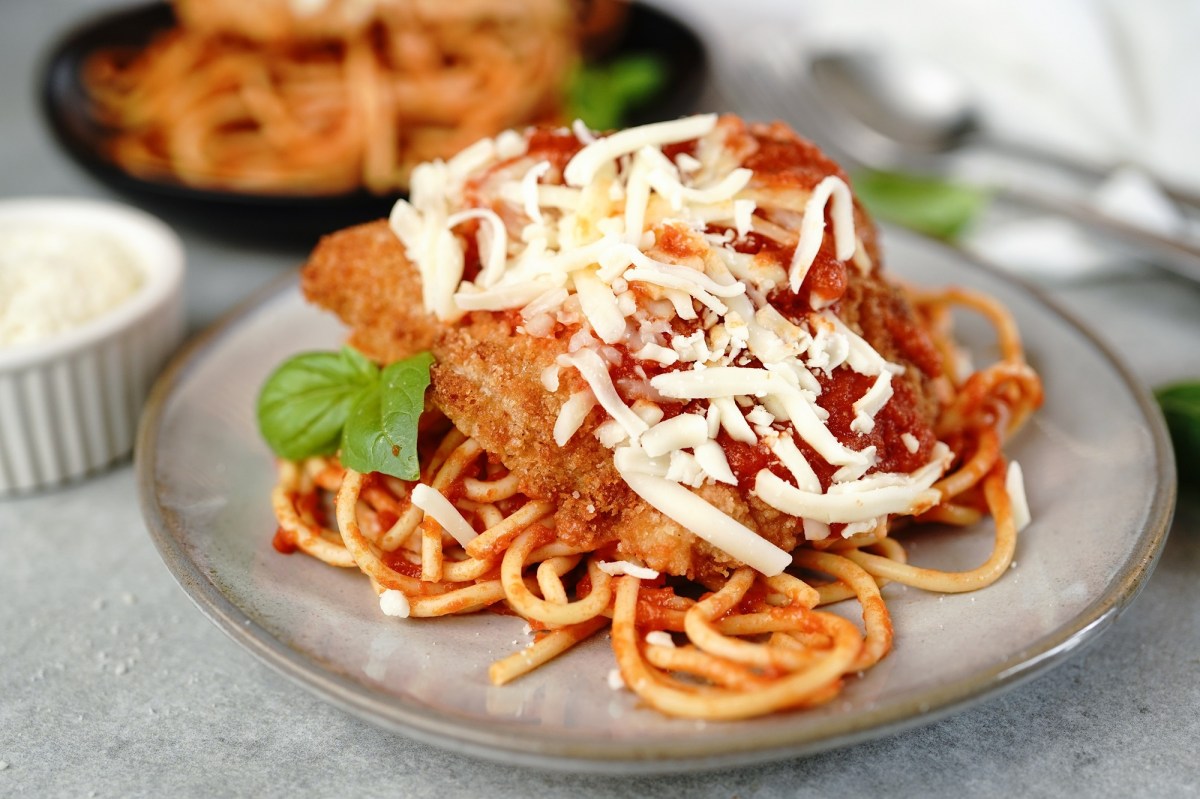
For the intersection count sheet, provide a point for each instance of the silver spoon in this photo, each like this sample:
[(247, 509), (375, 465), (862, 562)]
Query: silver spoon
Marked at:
[(888, 112), (891, 113), (896, 110)]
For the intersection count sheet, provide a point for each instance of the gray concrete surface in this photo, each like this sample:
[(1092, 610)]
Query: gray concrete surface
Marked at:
[(113, 684)]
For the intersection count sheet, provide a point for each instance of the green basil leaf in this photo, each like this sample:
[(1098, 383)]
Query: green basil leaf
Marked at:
[(924, 204), (304, 404), (381, 432), (602, 95), (1180, 404), (356, 362)]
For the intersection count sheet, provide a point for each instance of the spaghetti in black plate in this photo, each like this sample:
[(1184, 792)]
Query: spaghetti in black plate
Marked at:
[(299, 218)]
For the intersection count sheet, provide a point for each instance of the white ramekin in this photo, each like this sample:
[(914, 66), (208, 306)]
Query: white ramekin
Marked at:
[(69, 404)]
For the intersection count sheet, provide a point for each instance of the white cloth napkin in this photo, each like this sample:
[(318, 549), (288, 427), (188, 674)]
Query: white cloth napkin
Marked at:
[(1109, 82)]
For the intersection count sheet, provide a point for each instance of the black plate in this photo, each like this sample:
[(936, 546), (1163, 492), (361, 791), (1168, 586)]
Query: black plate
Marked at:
[(296, 218)]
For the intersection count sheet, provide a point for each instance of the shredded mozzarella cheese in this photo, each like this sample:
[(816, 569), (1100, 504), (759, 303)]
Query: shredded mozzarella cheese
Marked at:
[(695, 514), (812, 229), (430, 500), (572, 415), (595, 372), (1014, 483), (679, 432), (617, 567), (623, 257), (587, 162)]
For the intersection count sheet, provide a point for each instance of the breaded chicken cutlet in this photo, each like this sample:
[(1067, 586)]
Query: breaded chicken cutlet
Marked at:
[(504, 377), (362, 275)]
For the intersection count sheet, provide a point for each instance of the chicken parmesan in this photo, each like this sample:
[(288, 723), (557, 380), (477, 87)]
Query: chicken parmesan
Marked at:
[(673, 387)]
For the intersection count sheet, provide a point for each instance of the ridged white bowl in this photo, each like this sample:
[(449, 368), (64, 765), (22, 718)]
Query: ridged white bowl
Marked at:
[(69, 404)]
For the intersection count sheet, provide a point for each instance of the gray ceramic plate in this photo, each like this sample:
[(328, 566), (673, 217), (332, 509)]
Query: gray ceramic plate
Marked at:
[(1100, 483)]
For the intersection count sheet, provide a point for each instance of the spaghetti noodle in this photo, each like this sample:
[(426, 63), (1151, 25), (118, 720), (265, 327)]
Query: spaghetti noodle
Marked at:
[(721, 638), (325, 110)]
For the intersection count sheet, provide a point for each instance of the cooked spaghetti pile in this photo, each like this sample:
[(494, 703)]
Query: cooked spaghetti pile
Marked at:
[(667, 399), (326, 97)]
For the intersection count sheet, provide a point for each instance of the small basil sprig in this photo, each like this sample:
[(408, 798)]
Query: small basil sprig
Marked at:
[(603, 95), (381, 433), (1180, 403), (925, 204), (318, 403)]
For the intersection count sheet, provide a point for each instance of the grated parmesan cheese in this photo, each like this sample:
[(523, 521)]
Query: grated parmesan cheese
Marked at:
[(394, 603), (660, 638)]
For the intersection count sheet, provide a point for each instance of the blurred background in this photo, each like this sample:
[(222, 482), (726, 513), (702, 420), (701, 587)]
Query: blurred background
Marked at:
[(1055, 140)]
